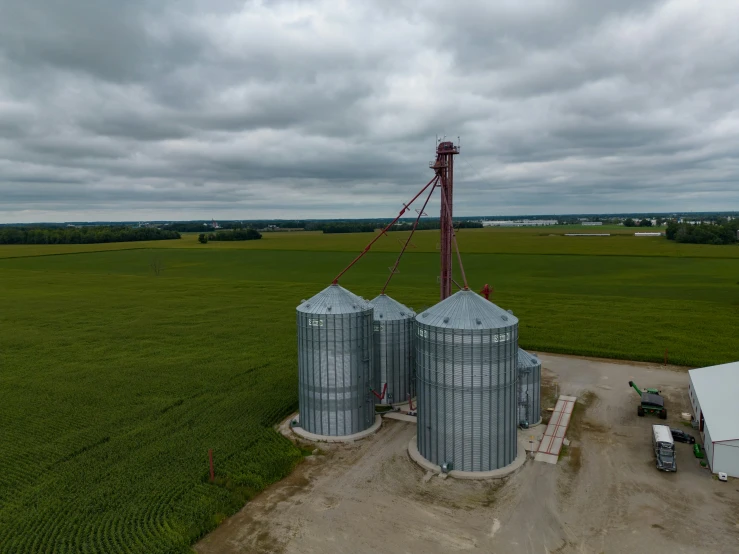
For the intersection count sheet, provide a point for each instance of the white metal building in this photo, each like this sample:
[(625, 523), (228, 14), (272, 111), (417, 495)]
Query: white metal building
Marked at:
[(714, 394)]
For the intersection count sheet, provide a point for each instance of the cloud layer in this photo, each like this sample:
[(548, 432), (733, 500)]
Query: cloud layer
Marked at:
[(191, 109)]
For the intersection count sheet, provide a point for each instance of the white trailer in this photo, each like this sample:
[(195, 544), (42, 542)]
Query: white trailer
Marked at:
[(664, 448)]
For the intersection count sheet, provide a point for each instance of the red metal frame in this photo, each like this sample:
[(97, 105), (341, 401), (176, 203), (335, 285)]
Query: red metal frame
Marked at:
[(382, 396)]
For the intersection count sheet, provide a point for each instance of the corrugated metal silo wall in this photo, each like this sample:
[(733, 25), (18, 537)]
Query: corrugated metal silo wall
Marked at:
[(334, 373), (529, 390), (467, 396), (395, 359)]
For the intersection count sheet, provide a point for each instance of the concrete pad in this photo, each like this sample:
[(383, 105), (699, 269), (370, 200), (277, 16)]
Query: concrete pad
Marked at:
[(481, 475), (529, 439), (547, 458), (554, 436), (302, 433), (535, 424), (400, 417)]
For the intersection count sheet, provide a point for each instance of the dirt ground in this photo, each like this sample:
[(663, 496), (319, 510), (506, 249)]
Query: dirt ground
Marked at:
[(604, 495)]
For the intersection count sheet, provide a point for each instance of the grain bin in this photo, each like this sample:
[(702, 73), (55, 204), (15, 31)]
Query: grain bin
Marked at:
[(394, 355), (335, 363), (466, 360), (529, 388)]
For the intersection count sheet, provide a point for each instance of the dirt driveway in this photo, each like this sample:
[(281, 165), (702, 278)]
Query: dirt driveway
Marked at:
[(605, 495)]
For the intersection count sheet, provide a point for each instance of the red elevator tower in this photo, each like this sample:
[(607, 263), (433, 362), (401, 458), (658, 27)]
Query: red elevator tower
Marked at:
[(444, 168)]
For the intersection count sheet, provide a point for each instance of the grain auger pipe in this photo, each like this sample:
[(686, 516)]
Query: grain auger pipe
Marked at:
[(640, 392), (384, 231), (407, 242)]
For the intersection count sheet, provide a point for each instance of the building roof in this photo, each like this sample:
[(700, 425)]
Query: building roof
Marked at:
[(389, 309), (334, 299), (526, 359), (467, 310), (652, 399), (662, 433), (717, 389)]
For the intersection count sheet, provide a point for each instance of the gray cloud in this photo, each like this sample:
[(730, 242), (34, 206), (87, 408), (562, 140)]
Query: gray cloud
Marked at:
[(196, 109)]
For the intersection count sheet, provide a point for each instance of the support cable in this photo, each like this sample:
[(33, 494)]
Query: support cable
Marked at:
[(384, 231), (407, 242), (454, 239)]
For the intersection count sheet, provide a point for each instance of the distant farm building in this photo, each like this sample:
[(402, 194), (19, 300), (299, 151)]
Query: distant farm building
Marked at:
[(647, 234), (519, 223), (592, 223), (713, 394)]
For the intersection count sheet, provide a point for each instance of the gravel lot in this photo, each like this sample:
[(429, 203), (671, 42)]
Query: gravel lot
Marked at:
[(604, 495)]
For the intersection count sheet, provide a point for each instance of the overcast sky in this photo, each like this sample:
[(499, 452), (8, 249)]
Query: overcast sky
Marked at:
[(190, 109)]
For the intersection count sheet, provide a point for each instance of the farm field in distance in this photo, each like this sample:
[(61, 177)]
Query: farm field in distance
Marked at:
[(115, 382)]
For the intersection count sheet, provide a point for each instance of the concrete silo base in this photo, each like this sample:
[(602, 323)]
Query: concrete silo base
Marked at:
[(494, 474), (303, 434)]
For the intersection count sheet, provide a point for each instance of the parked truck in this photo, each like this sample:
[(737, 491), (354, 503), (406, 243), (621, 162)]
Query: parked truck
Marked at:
[(652, 402), (664, 448)]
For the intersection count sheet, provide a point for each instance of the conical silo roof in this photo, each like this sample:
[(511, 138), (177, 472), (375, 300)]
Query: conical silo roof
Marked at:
[(334, 299), (526, 359), (467, 310), (389, 309)]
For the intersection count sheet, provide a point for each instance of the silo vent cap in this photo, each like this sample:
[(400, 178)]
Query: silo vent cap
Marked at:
[(328, 309), (504, 317), (446, 320), (424, 314), (478, 321)]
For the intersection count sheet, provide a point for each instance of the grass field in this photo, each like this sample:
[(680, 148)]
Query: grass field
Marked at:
[(525, 240), (115, 382)]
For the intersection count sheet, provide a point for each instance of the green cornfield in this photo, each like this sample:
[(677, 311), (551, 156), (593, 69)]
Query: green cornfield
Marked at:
[(115, 381)]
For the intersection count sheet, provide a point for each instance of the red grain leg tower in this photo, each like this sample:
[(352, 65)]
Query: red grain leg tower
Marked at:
[(444, 168)]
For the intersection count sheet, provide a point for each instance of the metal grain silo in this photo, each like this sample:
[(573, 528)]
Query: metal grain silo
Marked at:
[(466, 360), (529, 388), (335, 363), (394, 355)]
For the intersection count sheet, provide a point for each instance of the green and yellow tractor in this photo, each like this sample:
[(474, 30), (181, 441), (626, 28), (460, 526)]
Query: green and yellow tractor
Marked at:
[(652, 402)]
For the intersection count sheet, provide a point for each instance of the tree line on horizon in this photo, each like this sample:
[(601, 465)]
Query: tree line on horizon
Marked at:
[(235, 234), (83, 235), (723, 231), (370, 227)]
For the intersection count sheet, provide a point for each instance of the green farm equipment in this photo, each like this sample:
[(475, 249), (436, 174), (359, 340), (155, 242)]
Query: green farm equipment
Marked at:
[(698, 451), (652, 402)]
